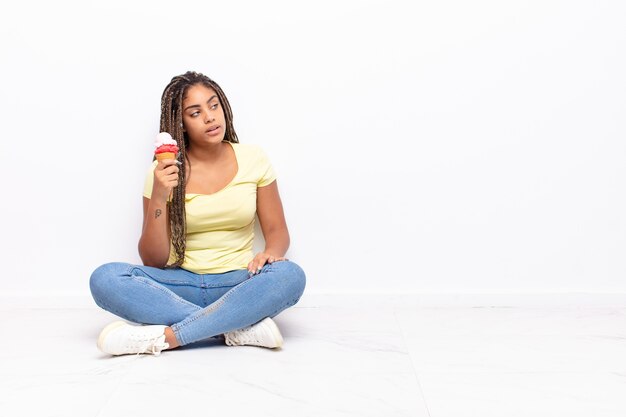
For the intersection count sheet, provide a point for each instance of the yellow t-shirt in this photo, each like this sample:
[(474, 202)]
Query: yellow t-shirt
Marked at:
[(220, 226)]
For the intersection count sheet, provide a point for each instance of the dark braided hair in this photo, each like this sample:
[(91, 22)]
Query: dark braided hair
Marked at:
[(172, 123)]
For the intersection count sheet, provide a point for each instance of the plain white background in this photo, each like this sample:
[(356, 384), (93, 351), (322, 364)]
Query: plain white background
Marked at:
[(425, 147)]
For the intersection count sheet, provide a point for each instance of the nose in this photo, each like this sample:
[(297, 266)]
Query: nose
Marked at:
[(209, 118)]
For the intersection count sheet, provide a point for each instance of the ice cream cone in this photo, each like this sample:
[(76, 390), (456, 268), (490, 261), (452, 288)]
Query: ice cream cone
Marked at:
[(165, 155), (165, 147)]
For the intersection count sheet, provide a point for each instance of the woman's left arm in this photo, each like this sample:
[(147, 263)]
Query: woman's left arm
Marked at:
[(273, 225)]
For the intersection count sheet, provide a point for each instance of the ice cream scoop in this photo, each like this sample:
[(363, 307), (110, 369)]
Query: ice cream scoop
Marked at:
[(166, 147)]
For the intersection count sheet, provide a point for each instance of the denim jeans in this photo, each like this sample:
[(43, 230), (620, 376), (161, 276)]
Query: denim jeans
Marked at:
[(196, 306)]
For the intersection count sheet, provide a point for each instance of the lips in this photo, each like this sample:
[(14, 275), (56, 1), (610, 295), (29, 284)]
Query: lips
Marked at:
[(213, 130)]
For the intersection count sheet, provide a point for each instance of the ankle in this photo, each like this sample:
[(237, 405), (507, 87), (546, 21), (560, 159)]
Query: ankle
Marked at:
[(170, 338)]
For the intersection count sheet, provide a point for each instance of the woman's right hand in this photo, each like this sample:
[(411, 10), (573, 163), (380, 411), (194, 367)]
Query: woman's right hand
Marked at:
[(165, 179)]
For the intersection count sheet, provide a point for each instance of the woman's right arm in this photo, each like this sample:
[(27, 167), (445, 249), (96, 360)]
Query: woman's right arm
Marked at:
[(154, 244)]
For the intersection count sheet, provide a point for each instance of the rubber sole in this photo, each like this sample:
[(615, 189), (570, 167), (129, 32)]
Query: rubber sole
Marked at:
[(269, 323), (108, 329)]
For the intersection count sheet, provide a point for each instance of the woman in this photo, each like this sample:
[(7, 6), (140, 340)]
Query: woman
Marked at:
[(200, 278)]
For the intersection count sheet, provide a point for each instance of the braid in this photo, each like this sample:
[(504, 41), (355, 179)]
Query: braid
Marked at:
[(172, 122)]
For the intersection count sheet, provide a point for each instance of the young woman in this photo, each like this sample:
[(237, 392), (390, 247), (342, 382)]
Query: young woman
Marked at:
[(200, 278)]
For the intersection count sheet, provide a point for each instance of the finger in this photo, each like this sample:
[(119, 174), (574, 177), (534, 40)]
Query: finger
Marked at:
[(259, 265), (166, 163), (172, 169), (170, 182), (172, 178)]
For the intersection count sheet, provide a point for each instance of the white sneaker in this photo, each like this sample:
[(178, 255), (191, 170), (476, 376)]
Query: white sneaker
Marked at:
[(121, 338), (264, 333)]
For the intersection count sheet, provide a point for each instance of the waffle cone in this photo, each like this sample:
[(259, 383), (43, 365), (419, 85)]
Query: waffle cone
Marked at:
[(165, 155)]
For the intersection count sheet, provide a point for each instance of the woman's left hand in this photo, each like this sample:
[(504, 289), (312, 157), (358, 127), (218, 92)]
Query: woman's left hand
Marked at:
[(262, 258)]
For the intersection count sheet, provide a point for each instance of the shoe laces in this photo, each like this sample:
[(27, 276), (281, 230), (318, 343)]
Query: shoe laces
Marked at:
[(242, 336), (153, 346)]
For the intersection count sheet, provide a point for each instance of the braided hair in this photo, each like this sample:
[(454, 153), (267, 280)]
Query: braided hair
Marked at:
[(172, 122)]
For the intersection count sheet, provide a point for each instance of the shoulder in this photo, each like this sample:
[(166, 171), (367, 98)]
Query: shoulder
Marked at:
[(255, 163), (149, 180), (249, 151), (248, 148), (152, 167)]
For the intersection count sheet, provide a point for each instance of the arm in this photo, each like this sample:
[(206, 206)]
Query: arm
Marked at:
[(154, 244), (273, 226)]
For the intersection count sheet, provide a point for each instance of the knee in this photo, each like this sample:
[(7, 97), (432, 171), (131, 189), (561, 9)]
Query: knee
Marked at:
[(292, 277), (103, 279)]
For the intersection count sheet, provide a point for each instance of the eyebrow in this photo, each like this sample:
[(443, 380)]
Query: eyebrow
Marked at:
[(197, 105)]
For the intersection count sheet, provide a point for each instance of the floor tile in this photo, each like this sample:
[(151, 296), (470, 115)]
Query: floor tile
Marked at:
[(335, 362), (492, 394)]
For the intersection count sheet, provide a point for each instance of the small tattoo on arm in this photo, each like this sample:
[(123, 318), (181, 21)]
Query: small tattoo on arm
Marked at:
[(157, 213)]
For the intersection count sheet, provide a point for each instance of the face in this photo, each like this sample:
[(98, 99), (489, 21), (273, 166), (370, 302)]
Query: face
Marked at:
[(203, 116)]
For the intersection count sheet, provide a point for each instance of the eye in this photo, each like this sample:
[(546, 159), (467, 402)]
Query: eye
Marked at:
[(194, 114), (213, 107)]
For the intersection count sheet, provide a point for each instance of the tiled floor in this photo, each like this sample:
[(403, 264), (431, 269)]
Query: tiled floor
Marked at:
[(338, 360)]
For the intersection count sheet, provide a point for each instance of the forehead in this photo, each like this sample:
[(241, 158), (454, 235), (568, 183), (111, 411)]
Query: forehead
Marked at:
[(198, 93)]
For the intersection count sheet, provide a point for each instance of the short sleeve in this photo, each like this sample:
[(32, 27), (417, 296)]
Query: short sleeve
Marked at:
[(266, 171), (147, 186)]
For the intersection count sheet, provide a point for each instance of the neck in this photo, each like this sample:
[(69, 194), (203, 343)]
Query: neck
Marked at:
[(207, 152)]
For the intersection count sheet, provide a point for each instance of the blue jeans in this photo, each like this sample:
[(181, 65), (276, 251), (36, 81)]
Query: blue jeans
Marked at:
[(196, 306)]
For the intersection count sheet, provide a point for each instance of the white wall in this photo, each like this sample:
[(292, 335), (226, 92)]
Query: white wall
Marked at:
[(421, 146)]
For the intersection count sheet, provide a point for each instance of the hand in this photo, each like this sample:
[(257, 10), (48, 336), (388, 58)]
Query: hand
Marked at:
[(165, 179), (254, 267)]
